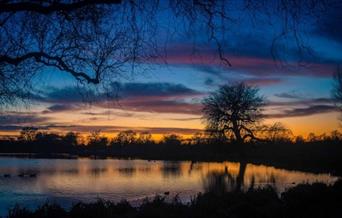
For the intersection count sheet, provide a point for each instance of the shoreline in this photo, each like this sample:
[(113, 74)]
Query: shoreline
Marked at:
[(303, 165), (303, 200)]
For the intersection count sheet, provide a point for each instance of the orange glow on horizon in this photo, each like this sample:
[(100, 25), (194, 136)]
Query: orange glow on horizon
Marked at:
[(160, 124)]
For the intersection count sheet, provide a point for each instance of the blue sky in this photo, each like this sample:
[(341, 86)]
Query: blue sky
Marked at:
[(163, 97)]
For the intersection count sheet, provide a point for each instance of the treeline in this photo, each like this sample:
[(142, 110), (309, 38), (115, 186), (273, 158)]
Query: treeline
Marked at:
[(31, 140), (96, 140), (318, 154), (316, 200)]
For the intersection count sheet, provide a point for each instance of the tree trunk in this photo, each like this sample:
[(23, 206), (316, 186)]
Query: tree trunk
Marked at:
[(237, 132)]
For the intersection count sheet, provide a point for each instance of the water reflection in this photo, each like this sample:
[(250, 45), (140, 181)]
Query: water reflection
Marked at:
[(171, 168), (223, 181), (68, 181), (127, 171)]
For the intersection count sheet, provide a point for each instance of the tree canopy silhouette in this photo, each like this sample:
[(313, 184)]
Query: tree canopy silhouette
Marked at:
[(90, 40), (93, 40), (233, 110)]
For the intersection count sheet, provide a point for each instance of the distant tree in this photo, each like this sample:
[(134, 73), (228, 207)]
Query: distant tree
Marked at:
[(172, 139), (233, 109), (126, 137), (28, 133), (199, 138), (324, 137), (48, 138), (278, 133), (312, 137), (144, 138), (299, 139), (219, 137), (95, 140), (336, 135), (70, 139)]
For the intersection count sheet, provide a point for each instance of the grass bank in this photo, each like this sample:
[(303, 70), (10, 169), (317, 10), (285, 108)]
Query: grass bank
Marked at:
[(315, 200)]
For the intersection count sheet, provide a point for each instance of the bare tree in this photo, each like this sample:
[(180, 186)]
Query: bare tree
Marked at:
[(96, 140), (126, 137), (28, 133), (276, 133), (144, 138), (233, 109), (93, 40), (90, 40), (199, 138)]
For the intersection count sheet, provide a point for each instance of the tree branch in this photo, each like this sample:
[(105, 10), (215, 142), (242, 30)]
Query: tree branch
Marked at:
[(250, 134), (53, 7), (39, 56)]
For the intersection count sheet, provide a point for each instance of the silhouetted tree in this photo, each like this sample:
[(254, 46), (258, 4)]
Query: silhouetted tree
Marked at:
[(278, 133), (233, 109), (95, 140), (172, 139), (70, 139), (312, 137), (28, 133), (324, 137), (126, 137), (299, 139), (199, 138), (48, 138), (90, 40), (218, 137), (336, 135), (93, 40), (144, 138)]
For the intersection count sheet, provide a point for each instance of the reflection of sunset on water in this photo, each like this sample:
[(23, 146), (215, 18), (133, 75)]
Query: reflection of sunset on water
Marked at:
[(88, 179)]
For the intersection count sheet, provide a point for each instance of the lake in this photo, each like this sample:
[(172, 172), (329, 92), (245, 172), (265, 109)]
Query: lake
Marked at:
[(31, 182)]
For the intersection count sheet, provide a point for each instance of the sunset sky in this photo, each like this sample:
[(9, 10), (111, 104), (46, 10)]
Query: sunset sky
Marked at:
[(164, 94)]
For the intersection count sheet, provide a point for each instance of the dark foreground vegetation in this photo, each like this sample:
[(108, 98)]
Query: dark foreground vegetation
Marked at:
[(319, 154), (316, 200)]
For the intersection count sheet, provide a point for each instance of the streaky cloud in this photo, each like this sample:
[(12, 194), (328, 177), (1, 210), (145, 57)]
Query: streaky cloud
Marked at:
[(303, 111), (106, 129), (16, 118)]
